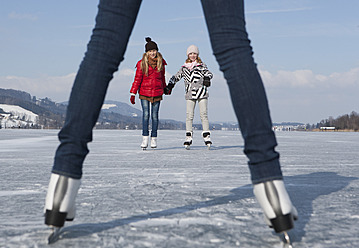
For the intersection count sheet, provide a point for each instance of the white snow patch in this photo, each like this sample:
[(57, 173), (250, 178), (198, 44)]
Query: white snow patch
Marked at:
[(16, 116), (20, 112), (108, 106)]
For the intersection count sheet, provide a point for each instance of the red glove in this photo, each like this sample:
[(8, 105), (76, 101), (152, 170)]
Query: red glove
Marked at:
[(132, 99)]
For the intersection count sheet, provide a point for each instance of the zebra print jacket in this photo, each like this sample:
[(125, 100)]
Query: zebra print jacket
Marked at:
[(193, 79)]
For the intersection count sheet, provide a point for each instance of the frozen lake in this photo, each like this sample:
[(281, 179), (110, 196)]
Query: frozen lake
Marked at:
[(172, 197)]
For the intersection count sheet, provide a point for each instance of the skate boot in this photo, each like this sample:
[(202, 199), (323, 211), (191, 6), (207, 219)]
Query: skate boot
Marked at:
[(153, 142), (207, 139), (276, 205), (60, 200), (188, 140), (144, 142)]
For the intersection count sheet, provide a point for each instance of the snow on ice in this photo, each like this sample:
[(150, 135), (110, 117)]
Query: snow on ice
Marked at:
[(172, 197)]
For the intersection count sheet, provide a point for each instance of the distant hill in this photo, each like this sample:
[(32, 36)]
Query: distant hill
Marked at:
[(21, 110), (52, 114), (121, 108)]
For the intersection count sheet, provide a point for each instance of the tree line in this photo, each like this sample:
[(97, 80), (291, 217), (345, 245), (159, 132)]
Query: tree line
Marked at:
[(343, 122)]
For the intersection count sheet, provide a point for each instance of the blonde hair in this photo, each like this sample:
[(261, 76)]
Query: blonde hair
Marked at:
[(198, 59), (144, 62)]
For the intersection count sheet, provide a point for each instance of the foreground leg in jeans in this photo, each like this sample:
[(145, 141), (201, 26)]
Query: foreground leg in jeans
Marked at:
[(105, 51), (233, 52)]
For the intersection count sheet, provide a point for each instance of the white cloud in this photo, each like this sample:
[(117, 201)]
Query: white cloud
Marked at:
[(54, 87), (305, 96), (127, 72), (308, 79), (299, 95)]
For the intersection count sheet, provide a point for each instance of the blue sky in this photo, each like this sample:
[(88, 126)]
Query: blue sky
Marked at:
[(306, 52)]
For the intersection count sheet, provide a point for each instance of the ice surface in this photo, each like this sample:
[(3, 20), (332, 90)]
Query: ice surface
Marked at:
[(172, 197)]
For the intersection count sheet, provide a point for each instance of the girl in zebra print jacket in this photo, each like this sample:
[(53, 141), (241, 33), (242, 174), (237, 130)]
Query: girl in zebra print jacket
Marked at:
[(197, 78)]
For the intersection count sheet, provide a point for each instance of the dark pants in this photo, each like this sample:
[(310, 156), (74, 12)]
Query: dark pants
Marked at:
[(231, 46)]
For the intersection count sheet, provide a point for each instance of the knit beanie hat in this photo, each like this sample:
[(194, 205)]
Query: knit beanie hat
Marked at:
[(150, 45), (192, 49)]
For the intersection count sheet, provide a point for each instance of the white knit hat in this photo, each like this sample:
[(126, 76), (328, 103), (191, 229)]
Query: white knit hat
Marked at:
[(192, 49)]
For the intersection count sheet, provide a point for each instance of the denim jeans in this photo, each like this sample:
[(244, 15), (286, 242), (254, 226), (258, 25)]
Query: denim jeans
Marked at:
[(231, 47), (203, 110), (155, 107)]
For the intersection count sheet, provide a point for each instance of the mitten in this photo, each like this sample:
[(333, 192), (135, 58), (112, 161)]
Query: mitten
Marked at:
[(168, 89), (132, 99), (206, 81)]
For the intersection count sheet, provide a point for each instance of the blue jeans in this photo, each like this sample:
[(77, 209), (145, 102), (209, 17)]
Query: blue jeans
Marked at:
[(155, 107), (231, 46)]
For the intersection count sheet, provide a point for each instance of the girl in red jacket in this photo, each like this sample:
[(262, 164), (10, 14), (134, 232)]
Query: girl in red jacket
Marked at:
[(150, 84)]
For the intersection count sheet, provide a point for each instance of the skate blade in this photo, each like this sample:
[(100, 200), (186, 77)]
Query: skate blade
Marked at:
[(287, 242), (54, 236), (187, 147)]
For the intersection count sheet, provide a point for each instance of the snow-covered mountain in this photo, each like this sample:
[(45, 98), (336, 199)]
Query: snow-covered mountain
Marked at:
[(121, 108), (20, 109), (15, 116)]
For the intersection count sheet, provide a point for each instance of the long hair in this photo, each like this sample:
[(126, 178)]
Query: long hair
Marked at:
[(198, 59), (144, 63)]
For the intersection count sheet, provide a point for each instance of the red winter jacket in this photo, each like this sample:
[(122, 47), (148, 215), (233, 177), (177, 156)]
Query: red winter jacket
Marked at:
[(151, 85)]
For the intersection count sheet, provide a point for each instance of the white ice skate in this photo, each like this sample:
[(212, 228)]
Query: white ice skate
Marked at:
[(144, 143), (60, 203), (188, 141), (60, 200), (276, 205), (153, 142), (207, 139)]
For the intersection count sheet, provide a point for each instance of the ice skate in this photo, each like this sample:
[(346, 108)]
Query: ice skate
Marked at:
[(60, 202), (153, 142), (276, 205), (188, 141), (207, 139), (144, 143)]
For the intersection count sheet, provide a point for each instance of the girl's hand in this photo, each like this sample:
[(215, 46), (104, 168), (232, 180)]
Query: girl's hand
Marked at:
[(132, 99), (206, 81), (167, 91)]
